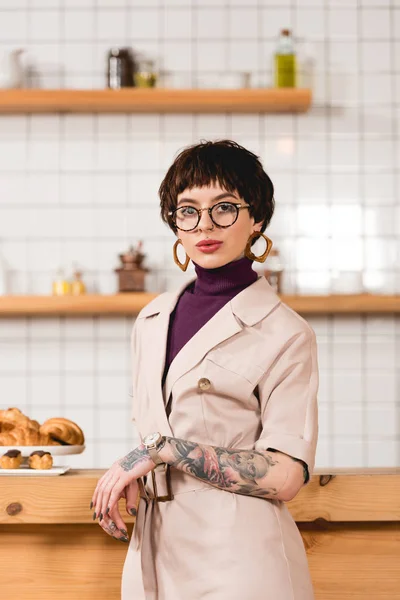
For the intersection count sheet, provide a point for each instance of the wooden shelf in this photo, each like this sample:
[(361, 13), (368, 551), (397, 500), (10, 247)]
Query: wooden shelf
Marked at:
[(85, 305), (131, 304), (245, 100)]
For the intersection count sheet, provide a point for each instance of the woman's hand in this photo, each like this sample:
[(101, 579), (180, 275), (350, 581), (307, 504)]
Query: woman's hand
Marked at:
[(112, 523), (118, 482)]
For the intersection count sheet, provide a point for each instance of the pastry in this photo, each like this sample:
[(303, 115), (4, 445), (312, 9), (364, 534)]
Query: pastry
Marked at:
[(63, 430), (24, 436), (11, 460), (14, 416), (16, 429), (6, 426), (40, 460)]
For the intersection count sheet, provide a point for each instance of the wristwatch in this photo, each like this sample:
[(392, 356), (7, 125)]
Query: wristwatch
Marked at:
[(154, 442)]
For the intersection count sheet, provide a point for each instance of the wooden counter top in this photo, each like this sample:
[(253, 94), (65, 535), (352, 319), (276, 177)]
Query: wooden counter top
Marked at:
[(332, 495)]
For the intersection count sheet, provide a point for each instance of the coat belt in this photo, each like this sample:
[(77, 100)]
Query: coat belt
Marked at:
[(165, 482)]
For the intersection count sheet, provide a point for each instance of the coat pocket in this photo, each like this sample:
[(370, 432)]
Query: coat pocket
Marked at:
[(236, 365), (231, 377)]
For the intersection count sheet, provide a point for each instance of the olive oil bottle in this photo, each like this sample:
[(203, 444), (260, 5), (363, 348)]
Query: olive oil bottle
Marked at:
[(285, 61)]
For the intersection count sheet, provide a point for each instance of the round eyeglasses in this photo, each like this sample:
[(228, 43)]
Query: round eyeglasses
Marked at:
[(223, 214)]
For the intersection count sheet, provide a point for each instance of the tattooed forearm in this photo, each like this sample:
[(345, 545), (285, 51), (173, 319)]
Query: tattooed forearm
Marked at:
[(133, 458), (248, 472), (306, 475)]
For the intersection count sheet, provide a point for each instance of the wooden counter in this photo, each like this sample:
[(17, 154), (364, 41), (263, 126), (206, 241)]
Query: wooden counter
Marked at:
[(51, 548)]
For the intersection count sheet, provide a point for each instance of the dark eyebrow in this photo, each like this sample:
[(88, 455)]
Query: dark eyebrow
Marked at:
[(219, 197)]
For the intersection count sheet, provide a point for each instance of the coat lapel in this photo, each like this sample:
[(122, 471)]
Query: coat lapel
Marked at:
[(247, 308)]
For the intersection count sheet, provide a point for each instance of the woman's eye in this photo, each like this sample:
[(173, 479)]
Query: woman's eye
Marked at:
[(224, 208), (188, 211)]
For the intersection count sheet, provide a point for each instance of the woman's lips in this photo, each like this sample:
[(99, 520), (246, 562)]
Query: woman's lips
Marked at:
[(209, 248)]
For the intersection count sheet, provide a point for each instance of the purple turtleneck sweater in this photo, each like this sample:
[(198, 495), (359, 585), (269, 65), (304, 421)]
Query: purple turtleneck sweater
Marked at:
[(205, 296)]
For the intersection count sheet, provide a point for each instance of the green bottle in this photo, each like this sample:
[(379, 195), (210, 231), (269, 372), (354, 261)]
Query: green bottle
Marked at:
[(285, 61)]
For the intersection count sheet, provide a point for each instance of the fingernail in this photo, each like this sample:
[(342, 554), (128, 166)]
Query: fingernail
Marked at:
[(91, 505), (124, 531), (101, 516), (133, 512), (94, 516), (124, 539), (108, 510)]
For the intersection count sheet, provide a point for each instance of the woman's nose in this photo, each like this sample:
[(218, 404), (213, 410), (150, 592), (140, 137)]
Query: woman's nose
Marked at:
[(205, 220)]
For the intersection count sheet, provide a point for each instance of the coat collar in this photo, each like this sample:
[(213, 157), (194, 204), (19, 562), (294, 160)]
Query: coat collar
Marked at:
[(250, 305), (247, 308)]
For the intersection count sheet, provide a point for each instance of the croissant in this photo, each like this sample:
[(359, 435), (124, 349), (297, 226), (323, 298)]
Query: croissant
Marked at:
[(15, 416), (34, 424), (25, 436), (6, 426), (63, 430)]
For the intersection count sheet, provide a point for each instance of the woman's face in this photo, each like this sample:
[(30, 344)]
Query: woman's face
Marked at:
[(233, 239)]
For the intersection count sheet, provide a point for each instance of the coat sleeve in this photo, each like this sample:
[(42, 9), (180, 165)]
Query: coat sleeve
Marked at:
[(288, 400)]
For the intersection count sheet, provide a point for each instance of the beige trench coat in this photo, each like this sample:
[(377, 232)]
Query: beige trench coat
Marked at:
[(260, 358)]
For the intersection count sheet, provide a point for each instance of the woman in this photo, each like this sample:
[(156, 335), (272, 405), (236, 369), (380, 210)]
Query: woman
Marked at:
[(225, 381)]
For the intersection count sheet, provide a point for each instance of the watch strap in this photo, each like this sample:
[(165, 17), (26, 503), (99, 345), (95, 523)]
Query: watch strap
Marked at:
[(155, 457)]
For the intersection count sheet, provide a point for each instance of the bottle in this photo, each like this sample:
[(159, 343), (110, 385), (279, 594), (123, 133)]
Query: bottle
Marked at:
[(285, 61), (273, 272), (77, 286), (61, 286), (120, 68)]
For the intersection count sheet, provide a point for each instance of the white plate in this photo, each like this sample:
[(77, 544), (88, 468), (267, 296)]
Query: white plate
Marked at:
[(27, 472), (54, 450)]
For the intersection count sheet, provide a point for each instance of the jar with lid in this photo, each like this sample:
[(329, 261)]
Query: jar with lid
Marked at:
[(120, 68), (146, 75)]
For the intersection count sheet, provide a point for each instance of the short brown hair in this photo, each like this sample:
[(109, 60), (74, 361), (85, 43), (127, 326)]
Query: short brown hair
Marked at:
[(222, 162)]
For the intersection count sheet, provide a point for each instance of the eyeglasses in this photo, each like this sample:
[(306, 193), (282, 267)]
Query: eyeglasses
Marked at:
[(222, 214)]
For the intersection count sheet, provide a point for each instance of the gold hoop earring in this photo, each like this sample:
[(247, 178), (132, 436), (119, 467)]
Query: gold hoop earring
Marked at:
[(249, 253), (182, 266)]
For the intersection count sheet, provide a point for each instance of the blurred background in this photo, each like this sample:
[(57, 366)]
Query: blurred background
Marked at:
[(77, 190)]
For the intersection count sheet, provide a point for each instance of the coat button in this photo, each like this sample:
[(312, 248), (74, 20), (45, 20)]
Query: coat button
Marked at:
[(204, 383)]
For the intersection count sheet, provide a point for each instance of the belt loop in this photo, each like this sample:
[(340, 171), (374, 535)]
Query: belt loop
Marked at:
[(167, 474)]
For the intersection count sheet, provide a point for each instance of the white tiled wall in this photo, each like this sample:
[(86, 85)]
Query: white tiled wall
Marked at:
[(82, 188)]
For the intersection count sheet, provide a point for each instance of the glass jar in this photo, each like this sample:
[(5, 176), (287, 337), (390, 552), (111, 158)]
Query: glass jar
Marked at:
[(145, 76)]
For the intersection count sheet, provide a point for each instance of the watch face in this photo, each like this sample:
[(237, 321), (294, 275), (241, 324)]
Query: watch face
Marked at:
[(152, 438)]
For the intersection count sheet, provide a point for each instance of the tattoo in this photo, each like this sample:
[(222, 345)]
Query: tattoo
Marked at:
[(138, 455), (233, 470)]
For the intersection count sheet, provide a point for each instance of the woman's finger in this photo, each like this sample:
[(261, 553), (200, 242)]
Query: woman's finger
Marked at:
[(112, 493), (110, 527), (102, 491), (115, 517), (132, 497), (98, 490), (110, 486)]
